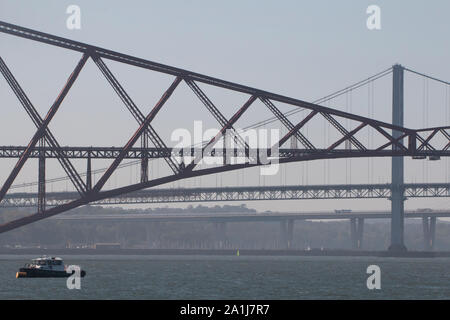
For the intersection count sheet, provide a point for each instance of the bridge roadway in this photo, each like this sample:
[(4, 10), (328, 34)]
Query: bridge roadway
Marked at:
[(286, 220), (157, 153), (293, 192), (248, 216)]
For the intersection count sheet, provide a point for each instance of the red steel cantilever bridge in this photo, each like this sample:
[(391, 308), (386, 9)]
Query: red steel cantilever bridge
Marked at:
[(398, 140)]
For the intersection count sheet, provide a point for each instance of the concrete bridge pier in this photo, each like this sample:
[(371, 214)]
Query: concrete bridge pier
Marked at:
[(221, 234), (286, 233), (429, 232), (356, 232)]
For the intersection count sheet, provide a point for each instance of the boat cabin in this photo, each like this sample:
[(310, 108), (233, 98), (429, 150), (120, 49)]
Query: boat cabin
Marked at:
[(52, 263)]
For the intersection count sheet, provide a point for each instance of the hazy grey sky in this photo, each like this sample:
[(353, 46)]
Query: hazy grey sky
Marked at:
[(303, 49)]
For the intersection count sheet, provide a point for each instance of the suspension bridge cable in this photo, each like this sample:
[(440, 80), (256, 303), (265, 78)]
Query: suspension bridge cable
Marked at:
[(253, 126), (325, 98), (317, 101), (427, 76)]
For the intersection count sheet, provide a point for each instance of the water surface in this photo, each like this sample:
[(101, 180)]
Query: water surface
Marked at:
[(228, 277)]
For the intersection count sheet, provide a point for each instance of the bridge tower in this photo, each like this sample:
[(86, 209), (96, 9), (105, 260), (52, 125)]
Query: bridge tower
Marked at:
[(397, 183)]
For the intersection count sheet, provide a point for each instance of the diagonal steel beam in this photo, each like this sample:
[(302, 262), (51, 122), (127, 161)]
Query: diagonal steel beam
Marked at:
[(41, 131), (158, 67), (427, 140), (447, 146), (342, 130), (163, 180), (445, 134), (297, 127), (422, 140), (287, 123), (216, 113), (136, 135), (206, 101), (393, 141), (222, 131), (347, 136), (37, 120), (137, 114)]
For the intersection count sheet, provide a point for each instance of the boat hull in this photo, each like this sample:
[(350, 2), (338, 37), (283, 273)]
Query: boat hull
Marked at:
[(37, 273)]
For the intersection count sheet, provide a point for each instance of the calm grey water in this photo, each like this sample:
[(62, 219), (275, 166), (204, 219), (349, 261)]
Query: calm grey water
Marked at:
[(225, 277)]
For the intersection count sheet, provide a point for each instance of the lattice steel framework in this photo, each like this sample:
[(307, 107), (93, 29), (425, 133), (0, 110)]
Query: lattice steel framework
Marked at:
[(362, 191), (405, 142)]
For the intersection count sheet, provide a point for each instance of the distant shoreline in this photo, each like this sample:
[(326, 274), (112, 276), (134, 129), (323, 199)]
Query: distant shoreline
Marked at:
[(225, 252)]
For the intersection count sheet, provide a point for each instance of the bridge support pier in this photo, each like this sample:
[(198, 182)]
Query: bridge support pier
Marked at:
[(356, 232), (221, 234), (41, 178), (429, 232), (286, 233), (89, 173), (397, 186), (144, 159)]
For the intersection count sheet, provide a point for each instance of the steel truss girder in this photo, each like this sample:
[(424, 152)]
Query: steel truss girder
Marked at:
[(288, 124), (103, 179), (328, 113), (134, 110), (150, 65), (156, 153), (37, 120), (94, 197), (41, 130), (216, 113), (294, 192), (343, 131), (297, 127), (221, 133), (97, 195)]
